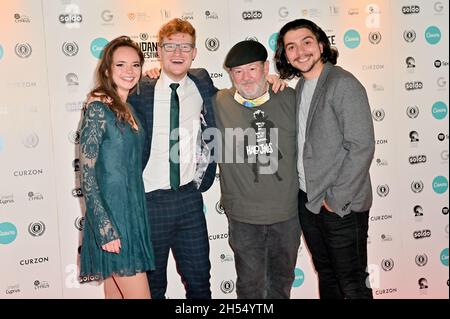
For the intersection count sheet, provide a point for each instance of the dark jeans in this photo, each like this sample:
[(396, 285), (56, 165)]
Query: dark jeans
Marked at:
[(338, 246), (178, 224), (265, 258)]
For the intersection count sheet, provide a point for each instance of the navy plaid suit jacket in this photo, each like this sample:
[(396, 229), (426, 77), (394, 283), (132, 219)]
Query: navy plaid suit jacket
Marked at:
[(143, 106)]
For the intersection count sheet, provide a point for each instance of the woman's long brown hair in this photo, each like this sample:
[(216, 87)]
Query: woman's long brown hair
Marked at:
[(105, 88)]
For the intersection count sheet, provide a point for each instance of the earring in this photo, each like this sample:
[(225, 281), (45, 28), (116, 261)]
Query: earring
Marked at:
[(138, 89)]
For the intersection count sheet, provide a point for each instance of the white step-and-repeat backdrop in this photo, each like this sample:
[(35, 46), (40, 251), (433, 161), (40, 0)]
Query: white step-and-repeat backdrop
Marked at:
[(49, 50)]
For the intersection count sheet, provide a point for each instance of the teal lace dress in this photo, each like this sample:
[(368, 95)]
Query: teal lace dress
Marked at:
[(113, 189)]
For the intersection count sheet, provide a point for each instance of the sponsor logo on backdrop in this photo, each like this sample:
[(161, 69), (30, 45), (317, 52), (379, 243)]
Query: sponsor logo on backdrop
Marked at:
[(36, 229), (23, 50), (77, 192), (386, 237), (219, 208), (418, 213), (12, 289), (373, 18), (74, 137), (417, 186), (34, 196), (227, 286), (439, 63), (438, 7), (414, 137), (8, 233), (419, 234), (83, 279), (381, 141), (28, 172), (417, 159), (21, 18), (439, 110), (299, 277), (410, 9), (409, 36), (188, 15), (165, 14), (74, 106), (442, 136), (79, 223), (33, 261), (148, 44), (412, 111), (107, 17), (211, 15), (442, 84), (440, 184), (331, 37), (410, 64), (334, 10), (380, 217), (375, 37), (353, 11), (76, 165), (41, 284), (138, 16), (1, 52), (383, 190), (312, 13), (378, 114), (217, 177), (97, 46), (283, 12), (226, 258), (444, 257), (218, 236), (70, 48), (273, 41), (352, 39), (371, 67), (70, 18), (212, 44), (423, 283), (444, 210), (381, 162), (7, 199), (444, 157), (413, 85), (385, 291), (216, 75), (30, 140), (433, 35), (387, 264), (421, 260), (22, 85), (252, 15)]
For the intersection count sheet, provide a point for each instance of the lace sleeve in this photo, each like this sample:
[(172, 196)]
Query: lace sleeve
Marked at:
[(93, 128)]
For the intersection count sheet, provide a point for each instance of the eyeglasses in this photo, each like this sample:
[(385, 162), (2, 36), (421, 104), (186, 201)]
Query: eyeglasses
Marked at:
[(171, 47)]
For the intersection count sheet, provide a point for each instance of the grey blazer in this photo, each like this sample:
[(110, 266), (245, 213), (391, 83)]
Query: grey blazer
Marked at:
[(339, 143)]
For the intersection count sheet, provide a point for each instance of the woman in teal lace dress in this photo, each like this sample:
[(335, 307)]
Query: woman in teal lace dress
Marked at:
[(116, 243)]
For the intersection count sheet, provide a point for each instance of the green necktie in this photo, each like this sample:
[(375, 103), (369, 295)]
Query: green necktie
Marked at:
[(173, 142)]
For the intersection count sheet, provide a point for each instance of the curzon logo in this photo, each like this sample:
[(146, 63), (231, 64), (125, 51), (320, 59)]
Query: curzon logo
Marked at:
[(33, 261), (252, 15), (29, 172), (419, 234), (8, 233), (433, 35), (439, 110), (440, 184)]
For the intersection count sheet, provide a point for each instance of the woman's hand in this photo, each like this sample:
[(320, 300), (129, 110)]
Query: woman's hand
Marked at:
[(152, 73), (113, 246)]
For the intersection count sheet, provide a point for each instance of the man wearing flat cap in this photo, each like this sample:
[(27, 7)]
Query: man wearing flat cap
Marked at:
[(258, 174)]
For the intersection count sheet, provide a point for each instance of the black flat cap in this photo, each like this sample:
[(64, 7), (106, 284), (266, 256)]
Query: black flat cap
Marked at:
[(244, 52)]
